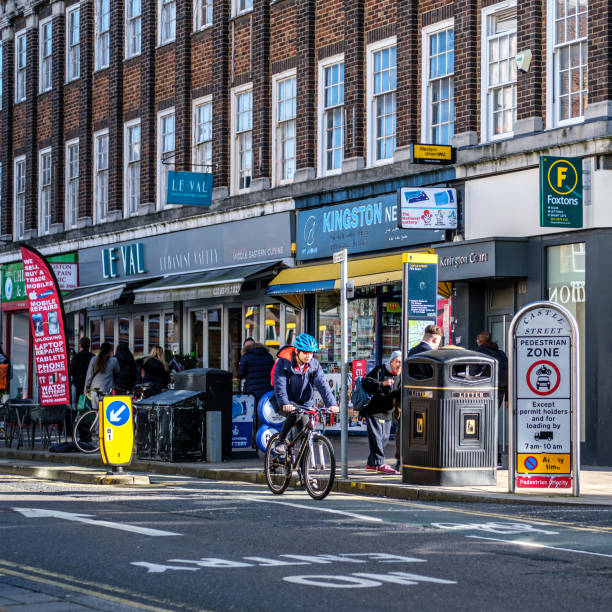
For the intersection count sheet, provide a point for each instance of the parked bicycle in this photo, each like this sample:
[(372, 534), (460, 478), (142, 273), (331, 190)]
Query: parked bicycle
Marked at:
[(86, 428), (311, 454)]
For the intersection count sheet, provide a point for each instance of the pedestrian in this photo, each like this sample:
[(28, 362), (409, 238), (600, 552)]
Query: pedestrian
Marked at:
[(383, 384), (78, 371), (432, 338), (156, 371), (126, 378), (254, 367), (102, 371), (486, 346), (5, 372)]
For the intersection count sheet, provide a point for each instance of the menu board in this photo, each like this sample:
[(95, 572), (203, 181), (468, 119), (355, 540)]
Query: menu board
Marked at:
[(48, 329)]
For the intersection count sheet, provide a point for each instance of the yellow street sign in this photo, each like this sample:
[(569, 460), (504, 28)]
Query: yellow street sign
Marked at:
[(543, 463), (430, 153), (420, 258), (116, 430)]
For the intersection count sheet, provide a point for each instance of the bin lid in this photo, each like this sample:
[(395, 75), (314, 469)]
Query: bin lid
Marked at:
[(452, 353), (168, 398)]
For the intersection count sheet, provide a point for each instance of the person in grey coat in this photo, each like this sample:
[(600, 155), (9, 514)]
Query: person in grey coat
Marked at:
[(102, 371)]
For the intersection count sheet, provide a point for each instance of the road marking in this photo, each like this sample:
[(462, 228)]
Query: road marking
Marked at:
[(84, 518), (536, 545), (421, 506), (362, 517), (63, 581)]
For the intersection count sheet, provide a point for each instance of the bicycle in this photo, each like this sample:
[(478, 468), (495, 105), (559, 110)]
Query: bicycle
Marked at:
[(310, 453), (86, 433)]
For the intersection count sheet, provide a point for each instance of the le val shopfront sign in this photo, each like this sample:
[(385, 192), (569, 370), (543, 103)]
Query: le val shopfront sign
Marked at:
[(544, 391)]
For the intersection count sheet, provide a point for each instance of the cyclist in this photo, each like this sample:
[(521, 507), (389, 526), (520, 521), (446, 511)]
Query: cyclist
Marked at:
[(296, 374)]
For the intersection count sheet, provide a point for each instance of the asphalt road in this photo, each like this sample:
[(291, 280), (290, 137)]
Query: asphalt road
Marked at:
[(185, 544)]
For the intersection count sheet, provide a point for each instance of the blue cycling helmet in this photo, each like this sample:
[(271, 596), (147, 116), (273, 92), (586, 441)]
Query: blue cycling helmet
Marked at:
[(305, 342)]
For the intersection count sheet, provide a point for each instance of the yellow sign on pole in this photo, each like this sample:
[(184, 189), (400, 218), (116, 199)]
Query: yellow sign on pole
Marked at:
[(116, 430)]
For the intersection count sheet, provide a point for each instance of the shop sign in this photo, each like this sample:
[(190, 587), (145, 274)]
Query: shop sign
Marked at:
[(13, 284), (543, 397), (190, 188), (236, 243), (127, 260), (243, 411), (560, 191), (48, 329), (360, 226), (426, 208), (432, 154)]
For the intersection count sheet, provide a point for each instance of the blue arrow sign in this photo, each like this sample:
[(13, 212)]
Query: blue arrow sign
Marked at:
[(117, 413)]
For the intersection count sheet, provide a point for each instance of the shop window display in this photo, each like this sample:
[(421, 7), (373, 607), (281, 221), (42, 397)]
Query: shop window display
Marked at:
[(138, 349), (251, 322), (272, 334)]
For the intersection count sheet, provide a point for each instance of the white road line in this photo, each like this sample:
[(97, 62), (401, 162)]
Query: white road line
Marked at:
[(535, 545), (362, 517)]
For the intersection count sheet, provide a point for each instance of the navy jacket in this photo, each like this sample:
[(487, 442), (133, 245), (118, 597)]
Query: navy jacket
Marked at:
[(291, 385), (382, 403), (492, 350), (255, 367)]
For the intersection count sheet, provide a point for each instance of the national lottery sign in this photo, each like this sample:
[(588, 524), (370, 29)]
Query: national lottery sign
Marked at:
[(544, 397), (427, 208), (48, 328)]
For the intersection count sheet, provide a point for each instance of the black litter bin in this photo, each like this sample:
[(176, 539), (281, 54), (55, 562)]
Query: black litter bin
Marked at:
[(216, 386), (449, 418), (170, 426)]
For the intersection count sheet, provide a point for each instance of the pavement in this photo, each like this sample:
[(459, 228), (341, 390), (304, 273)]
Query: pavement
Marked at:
[(595, 482)]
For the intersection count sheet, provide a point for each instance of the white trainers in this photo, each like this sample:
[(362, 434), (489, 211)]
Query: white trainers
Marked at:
[(280, 448)]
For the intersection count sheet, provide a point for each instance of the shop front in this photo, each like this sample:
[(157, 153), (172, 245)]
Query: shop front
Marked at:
[(198, 293), (368, 229), (16, 321)]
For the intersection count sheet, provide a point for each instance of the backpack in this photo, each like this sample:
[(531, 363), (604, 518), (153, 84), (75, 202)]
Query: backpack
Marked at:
[(361, 398)]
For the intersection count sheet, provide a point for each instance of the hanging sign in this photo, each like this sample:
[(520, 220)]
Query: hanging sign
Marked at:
[(543, 398), (48, 328), (427, 208), (560, 191), (190, 188)]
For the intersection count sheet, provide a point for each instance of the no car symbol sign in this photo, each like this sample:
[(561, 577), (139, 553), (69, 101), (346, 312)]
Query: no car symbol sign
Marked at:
[(543, 377)]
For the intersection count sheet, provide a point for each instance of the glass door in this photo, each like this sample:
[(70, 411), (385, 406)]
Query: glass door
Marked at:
[(498, 326), (20, 354), (234, 341), (214, 334)]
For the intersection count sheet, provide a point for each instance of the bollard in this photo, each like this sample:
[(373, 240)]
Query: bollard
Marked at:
[(213, 436)]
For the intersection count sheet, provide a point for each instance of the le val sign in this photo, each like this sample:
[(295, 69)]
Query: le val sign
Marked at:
[(544, 391)]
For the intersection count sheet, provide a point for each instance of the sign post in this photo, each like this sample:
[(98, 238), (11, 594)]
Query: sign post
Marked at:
[(341, 257), (116, 430), (543, 383)]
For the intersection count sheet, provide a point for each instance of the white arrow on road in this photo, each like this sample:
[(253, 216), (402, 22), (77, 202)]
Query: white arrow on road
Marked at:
[(114, 414), (84, 518)]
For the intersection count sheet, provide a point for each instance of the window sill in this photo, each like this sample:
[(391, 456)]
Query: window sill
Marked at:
[(161, 45)]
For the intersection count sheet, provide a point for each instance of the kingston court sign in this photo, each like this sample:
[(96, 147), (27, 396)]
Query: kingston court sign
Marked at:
[(560, 191)]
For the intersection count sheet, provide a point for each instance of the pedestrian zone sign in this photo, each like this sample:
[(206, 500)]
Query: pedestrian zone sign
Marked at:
[(116, 430), (543, 396)]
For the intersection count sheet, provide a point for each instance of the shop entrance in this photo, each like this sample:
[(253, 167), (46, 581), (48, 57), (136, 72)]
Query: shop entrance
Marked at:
[(500, 308)]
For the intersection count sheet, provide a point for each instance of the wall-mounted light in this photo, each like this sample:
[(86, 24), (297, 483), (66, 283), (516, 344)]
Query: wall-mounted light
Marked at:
[(523, 60)]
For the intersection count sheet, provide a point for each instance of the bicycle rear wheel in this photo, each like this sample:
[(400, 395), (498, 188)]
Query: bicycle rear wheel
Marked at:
[(277, 470), (86, 432), (319, 467)]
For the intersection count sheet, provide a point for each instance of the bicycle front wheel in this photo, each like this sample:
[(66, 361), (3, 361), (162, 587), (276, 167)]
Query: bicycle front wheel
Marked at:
[(277, 469), (86, 432), (319, 467)]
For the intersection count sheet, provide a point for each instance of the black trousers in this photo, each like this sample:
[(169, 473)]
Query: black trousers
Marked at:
[(296, 418), (378, 436)]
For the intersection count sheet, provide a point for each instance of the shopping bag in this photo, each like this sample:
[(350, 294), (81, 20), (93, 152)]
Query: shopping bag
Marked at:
[(84, 403)]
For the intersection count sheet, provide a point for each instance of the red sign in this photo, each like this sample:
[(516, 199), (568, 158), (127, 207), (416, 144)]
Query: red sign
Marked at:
[(543, 377), (359, 369), (544, 482), (48, 329)]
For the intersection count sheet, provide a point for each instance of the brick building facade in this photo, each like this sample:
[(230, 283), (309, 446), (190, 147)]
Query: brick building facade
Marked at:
[(298, 104)]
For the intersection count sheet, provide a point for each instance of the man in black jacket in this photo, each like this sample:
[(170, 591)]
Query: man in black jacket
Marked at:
[(430, 342), (488, 347), (79, 365), (255, 367)]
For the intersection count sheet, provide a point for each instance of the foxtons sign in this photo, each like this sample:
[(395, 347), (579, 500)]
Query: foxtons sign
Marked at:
[(560, 191)]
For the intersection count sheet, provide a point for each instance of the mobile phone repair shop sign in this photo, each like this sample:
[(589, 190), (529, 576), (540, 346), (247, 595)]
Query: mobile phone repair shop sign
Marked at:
[(544, 350), (427, 208)]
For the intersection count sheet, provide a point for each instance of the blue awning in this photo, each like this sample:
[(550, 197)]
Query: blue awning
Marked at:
[(305, 287)]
